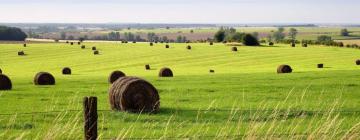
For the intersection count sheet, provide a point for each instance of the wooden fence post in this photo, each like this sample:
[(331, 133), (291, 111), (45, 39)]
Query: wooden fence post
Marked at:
[(90, 118)]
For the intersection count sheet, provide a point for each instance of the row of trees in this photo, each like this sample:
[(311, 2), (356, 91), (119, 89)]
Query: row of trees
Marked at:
[(12, 34), (226, 34)]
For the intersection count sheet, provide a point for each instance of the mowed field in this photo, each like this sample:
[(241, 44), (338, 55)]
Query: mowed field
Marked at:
[(244, 98)]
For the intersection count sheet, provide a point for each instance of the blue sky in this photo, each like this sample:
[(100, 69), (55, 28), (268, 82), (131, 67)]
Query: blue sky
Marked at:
[(180, 11)]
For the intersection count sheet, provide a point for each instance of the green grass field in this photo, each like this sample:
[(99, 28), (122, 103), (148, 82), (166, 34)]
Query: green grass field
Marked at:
[(244, 98)]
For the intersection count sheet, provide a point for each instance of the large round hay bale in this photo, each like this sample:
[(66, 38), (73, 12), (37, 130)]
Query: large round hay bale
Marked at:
[(79, 43), (147, 67), (151, 44), (167, 46), (115, 75), (24, 45), (133, 94), (211, 43), (234, 49), (293, 45), (165, 72), (93, 48), (83, 47), (284, 69), (44, 78), (66, 71), (188, 47), (21, 53), (71, 43), (5, 82), (357, 62), (320, 66), (96, 52)]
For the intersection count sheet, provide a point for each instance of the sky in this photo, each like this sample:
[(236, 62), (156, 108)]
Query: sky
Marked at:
[(180, 11)]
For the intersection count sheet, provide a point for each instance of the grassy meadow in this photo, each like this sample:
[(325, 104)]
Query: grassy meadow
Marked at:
[(244, 98)]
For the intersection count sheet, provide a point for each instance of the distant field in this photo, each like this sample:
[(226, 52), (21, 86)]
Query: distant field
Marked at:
[(309, 33), (354, 41), (244, 98)]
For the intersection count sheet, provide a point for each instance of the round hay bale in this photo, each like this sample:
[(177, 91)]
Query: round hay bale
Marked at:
[(211, 43), (147, 67), (271, 43), (93, 48), (293, 45), (0, 71), (134, 41), (234, 49), (5, 82), (320, 66), (71, 43), (167, 46), (212, 71), (24, 45), (304, 45), (284, 69), (44, 78), (165, 72), (357, 62), (66, 71), (83, 47), (20, 53), (79, 43), (67, 42), (151, 44), (188, 47), (96, 52), (156, 42), (115, 75), (133, 94)]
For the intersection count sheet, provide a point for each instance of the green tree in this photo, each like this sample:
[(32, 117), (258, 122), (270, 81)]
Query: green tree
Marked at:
[(344, 32), (279, 34), (220, 36), (292, 34), (250, 40)]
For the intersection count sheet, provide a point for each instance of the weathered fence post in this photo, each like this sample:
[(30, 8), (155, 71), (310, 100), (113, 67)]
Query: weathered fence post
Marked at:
[(90, 118)]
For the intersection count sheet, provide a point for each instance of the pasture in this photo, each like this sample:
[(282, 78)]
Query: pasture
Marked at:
[(243, 98)]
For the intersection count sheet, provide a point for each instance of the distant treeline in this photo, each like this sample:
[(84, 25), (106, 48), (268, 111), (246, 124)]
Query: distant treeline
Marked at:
[(12, 34)]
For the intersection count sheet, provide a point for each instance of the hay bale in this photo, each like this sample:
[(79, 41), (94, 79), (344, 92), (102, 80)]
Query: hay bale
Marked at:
[(93, 48), (5, 82), (96, 52), (115, 75), (188, 47), (67, 42), (134, 41), (320, 66), (44, 78), (156, 42), (165, 72), (212, 71), (79, 43), (211, 43), (293, 45), (24, 45), (358, 62), (147, 67), (304, 45), (83, 47), (284, 69), (151, 44), (0, 71), (71, 43), (234, 49), (135, 95), (66, 71), (271, 43), (167, 46), (20, 53)]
